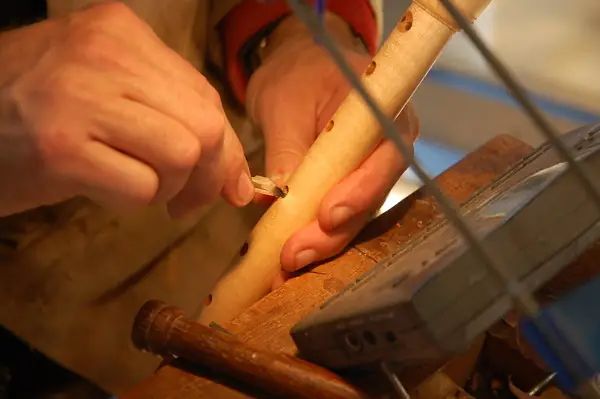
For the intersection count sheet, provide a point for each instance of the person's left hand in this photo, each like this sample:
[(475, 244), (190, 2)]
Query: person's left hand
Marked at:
[(292, 95)]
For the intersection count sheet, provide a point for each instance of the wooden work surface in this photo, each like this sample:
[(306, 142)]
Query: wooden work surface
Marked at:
[(267, 323)]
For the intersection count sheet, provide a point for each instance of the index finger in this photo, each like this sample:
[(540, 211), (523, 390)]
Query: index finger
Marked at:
[(225, 172)]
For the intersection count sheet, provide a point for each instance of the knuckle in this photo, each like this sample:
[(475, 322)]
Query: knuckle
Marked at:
[(110, 11), (92, 36), (56, 149), (58, 85), (145, 192), (31, 90), (139, 189), (92, 45), (38, 98), (187, 152), (35, 103), (213, 132), (214, 96)]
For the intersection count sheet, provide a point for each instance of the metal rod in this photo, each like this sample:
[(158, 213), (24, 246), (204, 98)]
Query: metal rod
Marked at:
[(520, 94), (395, 381), (542, 384)]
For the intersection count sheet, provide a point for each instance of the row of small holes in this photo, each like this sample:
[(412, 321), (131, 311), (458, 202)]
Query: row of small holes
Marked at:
[(404, 26), (370, 69), (354, 342), (243, 251)]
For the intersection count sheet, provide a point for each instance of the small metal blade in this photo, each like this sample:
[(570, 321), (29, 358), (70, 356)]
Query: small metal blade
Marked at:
[(266, 186)]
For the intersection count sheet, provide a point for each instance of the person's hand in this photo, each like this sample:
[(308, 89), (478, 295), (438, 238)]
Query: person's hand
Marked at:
[(95, 104), (292, 96)]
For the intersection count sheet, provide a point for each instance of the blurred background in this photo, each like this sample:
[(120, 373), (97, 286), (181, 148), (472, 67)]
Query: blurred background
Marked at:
[(551, 46)]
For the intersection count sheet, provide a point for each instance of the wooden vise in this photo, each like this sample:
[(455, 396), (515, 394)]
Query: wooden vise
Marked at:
[(265, 326)]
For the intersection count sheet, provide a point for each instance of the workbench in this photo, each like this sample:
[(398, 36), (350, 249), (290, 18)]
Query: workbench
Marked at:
[(86, 244), (266, 324)]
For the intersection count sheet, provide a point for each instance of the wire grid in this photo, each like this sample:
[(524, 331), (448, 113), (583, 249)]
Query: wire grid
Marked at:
[(522, 298)]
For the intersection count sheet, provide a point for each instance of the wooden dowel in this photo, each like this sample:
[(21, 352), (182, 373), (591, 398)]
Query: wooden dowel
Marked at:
[(351, 135), (163, 330)]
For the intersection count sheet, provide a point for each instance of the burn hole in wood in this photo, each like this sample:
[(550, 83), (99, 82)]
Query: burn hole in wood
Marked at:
[(208, 300), (244, 249), (370, 68), (329, 125), (406, 22), (353, 342), (390, 337), (369, 337)]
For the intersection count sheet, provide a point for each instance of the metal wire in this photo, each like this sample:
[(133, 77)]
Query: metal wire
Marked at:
[(520, 94), (394, 380), (542, 385), (522, 298)]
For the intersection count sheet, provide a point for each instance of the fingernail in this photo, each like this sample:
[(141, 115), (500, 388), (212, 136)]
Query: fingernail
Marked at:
[(340, 215), (245, 188), (304, 258)]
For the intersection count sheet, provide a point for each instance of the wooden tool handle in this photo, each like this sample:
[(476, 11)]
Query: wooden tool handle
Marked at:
[(163, 330), (351, 135)]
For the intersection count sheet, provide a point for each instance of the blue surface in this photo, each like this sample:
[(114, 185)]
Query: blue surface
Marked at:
[(435, 158), (320, 6), (496, 92), (574, 320)]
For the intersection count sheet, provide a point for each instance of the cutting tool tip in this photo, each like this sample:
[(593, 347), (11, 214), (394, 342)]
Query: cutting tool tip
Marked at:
[(266, 186)]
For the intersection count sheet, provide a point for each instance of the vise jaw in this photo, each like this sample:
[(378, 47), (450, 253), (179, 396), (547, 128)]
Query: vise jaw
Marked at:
[(433, 297)]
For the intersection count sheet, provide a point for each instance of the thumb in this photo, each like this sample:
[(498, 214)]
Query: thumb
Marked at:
[(288, 136)]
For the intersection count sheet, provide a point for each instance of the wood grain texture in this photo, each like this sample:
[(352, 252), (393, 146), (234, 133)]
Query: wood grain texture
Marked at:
[(266, 324), (164, 330)]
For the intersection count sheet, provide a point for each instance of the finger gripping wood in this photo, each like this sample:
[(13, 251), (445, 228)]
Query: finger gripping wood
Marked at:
[(391, 79), (163, 330)]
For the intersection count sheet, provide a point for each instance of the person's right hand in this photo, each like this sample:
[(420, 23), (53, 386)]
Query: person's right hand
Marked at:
[(94, 104)]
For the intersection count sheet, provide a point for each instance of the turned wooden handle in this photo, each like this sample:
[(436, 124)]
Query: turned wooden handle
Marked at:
[(351, 135), (163, 330)]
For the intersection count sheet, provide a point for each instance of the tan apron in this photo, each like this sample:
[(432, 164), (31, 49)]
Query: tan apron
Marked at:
[(73, 276)]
